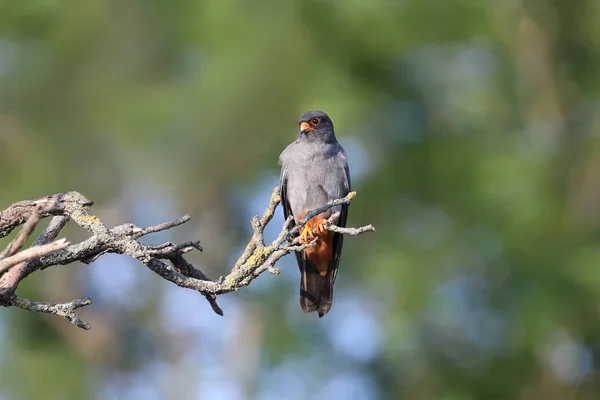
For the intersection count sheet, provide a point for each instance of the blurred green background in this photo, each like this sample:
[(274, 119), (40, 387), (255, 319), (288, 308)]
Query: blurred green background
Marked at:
[(473, 133)]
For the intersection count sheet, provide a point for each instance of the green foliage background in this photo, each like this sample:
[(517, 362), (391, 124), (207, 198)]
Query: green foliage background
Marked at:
[(473, 133)]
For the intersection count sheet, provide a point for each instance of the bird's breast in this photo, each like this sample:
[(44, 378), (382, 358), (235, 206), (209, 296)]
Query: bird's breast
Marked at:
[(312, 182)]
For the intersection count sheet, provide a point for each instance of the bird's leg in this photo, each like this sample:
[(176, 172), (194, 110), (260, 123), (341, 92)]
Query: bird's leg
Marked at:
[(306, 235), (321, 227)]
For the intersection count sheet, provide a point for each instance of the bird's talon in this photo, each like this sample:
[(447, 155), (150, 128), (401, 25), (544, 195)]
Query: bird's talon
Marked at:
[(306, 236), (322, 227)]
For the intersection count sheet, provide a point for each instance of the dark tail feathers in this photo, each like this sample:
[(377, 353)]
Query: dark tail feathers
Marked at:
[(316, 291)]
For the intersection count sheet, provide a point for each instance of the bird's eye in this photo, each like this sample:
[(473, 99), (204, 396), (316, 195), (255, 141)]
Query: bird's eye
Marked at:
[(315, 121)]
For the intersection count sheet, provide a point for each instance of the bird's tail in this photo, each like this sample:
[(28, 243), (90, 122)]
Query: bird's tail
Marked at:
[(316, 290)]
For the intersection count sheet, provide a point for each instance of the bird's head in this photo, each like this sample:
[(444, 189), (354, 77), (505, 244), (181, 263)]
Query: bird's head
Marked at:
[(316, 126)]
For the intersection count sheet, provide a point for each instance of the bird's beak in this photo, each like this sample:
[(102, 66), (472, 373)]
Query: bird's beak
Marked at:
[(305, 127)]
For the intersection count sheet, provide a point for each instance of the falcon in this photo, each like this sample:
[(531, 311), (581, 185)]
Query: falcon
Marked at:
[(314, 170)]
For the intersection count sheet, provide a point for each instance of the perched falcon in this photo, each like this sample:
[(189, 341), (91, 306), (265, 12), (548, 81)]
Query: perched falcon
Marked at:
[(314, 170)]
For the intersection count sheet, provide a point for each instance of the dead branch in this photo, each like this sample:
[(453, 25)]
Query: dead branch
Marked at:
[(22, 237), (31, 253), (166, 260), (66, 310)]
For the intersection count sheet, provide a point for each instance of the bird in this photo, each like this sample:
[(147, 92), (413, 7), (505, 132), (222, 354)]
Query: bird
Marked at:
[(314, 170)]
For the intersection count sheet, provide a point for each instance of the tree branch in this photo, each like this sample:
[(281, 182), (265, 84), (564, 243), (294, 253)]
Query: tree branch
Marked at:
[(23, 235), (31, 253), (166, 260), (66, 310)]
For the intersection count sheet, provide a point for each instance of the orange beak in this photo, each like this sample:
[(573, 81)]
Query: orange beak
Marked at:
[(305, 127)]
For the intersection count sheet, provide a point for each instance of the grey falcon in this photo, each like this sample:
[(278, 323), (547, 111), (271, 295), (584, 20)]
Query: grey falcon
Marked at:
[(314, 170)]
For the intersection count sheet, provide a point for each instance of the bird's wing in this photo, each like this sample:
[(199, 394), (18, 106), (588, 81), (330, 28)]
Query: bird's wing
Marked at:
[(285, 204), (338, 238)]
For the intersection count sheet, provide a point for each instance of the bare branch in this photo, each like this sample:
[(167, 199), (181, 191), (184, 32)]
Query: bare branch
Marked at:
[(330, 204), (65, 310), (166, 260), (259, 226), (32, 252), (351, 231), (163, 227), (52, 230), (11, 279), (57, 204), (22, 237)]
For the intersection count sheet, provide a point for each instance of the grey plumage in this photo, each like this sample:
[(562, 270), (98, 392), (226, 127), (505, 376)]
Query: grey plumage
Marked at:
[(314, 170)]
